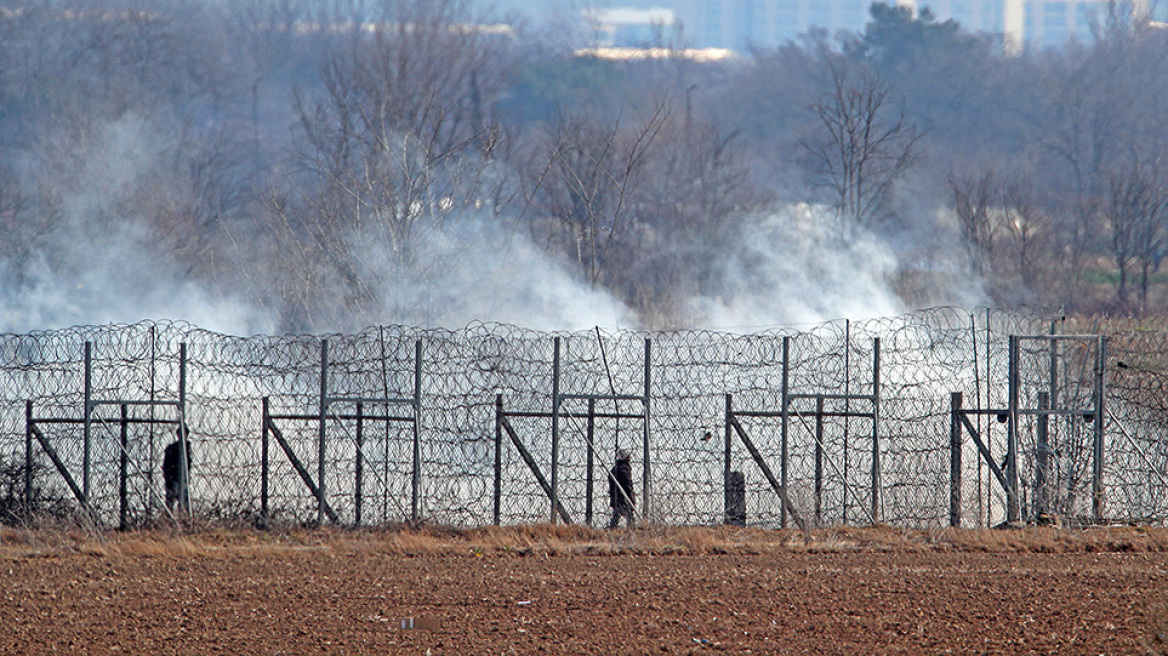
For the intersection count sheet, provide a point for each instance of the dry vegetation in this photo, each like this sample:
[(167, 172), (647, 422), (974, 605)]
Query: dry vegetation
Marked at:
[(558, 540)]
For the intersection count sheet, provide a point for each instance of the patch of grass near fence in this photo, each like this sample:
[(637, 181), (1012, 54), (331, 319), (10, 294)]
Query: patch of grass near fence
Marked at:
[(553, 540)]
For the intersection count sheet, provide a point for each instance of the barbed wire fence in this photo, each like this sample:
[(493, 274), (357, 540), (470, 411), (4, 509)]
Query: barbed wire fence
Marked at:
[(853, 421)]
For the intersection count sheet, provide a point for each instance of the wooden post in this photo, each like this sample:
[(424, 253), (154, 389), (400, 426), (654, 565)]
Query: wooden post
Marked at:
[(590, 467), (955, 402), (498, 487)]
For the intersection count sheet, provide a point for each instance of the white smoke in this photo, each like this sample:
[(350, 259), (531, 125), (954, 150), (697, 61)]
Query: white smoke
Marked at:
[(124, 282), (483, 269), (99, 261), (103, 264), (793, 267)]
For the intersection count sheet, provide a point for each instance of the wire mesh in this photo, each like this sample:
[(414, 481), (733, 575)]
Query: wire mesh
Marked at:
[(831, 470)]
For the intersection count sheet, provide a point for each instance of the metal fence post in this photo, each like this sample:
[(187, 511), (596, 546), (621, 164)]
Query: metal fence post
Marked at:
[(416, 479), (876, 430), (726, 464), (88, 398), (818, 460), (783, 432), (1013, 506), (27, 460), (1097, 490), (590, 466), (360, 466), (555, 426), (498, 487), (123, 441), (955, 401), (1042, 454), (184, 465), (646, 478), (320, 442), (264, 461)]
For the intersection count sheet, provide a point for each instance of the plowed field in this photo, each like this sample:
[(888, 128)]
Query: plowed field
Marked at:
[(581, 593)]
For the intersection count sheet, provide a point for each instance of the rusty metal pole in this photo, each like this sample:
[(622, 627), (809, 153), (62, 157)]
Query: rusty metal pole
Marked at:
[(955, 401)]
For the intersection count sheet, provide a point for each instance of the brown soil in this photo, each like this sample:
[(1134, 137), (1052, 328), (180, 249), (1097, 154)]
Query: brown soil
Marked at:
[(583, 592)]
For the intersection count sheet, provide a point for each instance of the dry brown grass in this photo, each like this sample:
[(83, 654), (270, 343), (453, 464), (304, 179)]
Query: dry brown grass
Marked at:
[(558, 540)]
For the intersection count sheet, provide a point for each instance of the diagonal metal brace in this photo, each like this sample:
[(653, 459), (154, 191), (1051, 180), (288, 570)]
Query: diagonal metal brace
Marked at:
[(300, 469), (61, 468), (775, 485), (985, 453), (547, 489)]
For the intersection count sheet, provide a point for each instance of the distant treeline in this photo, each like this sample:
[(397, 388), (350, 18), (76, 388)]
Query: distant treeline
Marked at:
[(331, 163)]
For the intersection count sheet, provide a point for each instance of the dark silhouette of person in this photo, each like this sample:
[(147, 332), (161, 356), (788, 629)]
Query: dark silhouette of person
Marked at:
[(173, 474), (620, 491)]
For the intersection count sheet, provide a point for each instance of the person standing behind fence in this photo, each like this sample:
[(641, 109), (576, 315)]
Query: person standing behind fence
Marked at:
[(173, 469), (620, 491)]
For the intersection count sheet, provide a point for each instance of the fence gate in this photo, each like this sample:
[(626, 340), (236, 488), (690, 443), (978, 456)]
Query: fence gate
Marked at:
[(563, 408), (338, 410), (1054, 431), (811, 411), (110, 452)]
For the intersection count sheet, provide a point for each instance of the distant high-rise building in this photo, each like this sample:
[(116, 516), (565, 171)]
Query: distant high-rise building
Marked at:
[(740, 24)]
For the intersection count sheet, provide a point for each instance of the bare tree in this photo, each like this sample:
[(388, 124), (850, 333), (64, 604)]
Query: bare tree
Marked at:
[(861, 146), (697, 191), (402, 139), (587, 179), (1027, 226), (1136, 210), (976, 201)]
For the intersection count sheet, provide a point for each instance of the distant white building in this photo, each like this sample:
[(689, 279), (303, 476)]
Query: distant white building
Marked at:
[(740, 24)]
